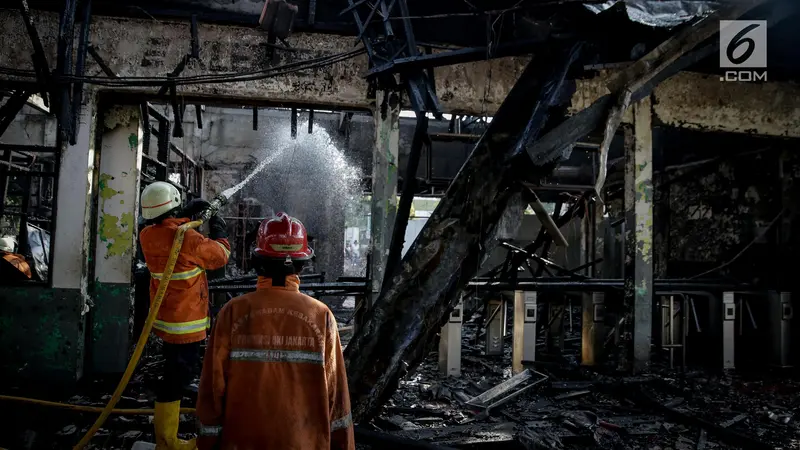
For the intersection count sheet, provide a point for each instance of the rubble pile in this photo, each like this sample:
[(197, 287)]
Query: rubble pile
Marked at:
[(561, 405)]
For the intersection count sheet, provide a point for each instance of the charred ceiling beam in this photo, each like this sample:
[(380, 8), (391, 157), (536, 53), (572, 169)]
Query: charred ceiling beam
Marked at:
[(101, 62), (80, 69), (11, 108), (460, 56), (40, 65), (418, 83), (397, 331), (66, 38), (637, 78)]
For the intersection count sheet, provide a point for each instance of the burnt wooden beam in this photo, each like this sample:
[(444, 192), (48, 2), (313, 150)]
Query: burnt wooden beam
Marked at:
[(398, 330)]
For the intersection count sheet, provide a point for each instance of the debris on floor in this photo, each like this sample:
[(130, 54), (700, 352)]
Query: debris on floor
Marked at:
[(553, 404), (557, 404)]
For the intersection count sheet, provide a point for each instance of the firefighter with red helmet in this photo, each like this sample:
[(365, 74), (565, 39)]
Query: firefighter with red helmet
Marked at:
[(273, 374)]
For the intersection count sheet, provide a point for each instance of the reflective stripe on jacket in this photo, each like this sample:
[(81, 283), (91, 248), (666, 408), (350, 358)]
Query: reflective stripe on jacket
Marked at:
[(274, 375), (183, 316)]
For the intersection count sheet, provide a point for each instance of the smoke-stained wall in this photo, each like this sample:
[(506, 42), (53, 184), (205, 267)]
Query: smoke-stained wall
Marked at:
[(313, 177)]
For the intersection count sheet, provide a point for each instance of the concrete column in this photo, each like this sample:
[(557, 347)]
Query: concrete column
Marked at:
[(42, 335), (525, 317), (450, 344), (639, 218), (118, 208), (70, 255), (384, 182)]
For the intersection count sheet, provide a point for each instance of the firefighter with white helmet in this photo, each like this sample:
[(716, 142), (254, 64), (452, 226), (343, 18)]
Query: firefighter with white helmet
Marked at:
[(183, 318)]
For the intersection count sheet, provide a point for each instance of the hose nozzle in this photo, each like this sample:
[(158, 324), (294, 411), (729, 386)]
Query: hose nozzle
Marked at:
[(218, 202)]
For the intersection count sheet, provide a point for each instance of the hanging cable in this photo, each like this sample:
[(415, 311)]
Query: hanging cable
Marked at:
[(234, 77)]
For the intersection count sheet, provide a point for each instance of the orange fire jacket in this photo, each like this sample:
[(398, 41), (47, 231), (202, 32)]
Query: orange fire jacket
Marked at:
[(274, 375), (18, 261), (183, 316)]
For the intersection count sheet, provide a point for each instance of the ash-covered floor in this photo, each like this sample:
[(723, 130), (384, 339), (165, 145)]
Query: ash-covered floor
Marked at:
[(578, 408), (564, 406)]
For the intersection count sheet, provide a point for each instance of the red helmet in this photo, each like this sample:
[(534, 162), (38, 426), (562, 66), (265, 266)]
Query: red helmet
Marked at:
[(283, 237)]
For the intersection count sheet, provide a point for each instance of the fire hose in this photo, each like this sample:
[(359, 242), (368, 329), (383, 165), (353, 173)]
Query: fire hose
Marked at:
[(106, 411), (177, 243)]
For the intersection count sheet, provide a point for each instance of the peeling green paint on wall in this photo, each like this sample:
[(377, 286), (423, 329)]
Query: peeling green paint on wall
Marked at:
[(52, 338), (105, 191), (41, 333), (116, 233), (133, 141)]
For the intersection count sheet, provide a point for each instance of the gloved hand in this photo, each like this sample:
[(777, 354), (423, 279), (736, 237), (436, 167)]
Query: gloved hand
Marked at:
[(219, 229), (195, 207)]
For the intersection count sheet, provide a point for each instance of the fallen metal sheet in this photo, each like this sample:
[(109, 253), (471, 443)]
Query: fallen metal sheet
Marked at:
[(734, 421), (571, 385), (507, 390), (573, 394), (660, 13), (453, 433), (503, 433)]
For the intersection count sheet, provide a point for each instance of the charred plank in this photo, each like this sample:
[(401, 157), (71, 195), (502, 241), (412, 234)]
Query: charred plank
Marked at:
[(397, 332)]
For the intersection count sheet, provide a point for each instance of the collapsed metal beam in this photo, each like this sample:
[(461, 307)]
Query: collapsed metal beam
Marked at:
[(460, 56), (547, 221), (397, 330)]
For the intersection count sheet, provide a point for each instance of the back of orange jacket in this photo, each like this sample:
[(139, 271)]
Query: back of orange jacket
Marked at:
[(23, 269), (274, 375), (183, 316)]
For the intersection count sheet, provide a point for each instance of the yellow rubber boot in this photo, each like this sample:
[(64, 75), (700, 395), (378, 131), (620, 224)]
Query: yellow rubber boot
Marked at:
[(167, 418)]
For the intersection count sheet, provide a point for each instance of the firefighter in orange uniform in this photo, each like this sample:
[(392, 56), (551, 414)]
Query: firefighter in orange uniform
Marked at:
[(14, 267), (274, 375), (183, 317)]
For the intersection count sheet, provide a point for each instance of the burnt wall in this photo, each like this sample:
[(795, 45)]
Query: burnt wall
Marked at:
[(721, 195)]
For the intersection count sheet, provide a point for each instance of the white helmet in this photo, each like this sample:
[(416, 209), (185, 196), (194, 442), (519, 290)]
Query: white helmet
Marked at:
[(7, 244), (158, 199)]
